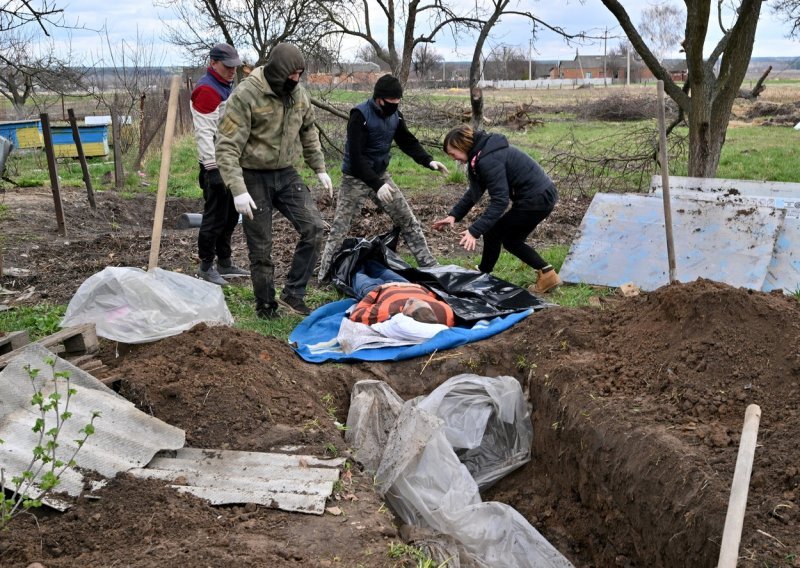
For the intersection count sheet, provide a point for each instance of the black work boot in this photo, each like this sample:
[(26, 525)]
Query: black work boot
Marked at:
[(294, 304)]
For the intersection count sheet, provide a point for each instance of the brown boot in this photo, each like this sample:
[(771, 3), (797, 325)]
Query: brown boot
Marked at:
[(545, 282)]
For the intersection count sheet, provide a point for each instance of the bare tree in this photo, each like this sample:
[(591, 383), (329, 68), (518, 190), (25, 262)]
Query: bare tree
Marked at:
[(124, 74), (426, 59), (405, 23), (661, 27), (708, 94), (505, 62), (43, 13), (490, 15), (367, 53), (28, 65), (253, 26), (790, 10)]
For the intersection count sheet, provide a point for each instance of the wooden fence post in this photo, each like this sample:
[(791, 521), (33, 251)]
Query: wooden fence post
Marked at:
[(53, 170), (76, 137)]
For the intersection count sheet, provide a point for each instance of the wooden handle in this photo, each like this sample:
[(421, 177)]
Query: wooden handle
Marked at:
[(163, 176), (732, 534), (662, 147)]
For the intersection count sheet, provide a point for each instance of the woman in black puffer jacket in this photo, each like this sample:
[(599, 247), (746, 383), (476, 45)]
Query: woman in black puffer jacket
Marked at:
[(509, 176)]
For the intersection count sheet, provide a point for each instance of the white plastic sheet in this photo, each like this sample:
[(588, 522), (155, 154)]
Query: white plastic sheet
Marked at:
[(374, 407), (133, 306), (423, 481), (486, 422)]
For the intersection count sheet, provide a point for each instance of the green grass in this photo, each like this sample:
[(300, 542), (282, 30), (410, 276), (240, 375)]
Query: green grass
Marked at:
[(241, 303), (40, 320), (760, 153), (183, 169)]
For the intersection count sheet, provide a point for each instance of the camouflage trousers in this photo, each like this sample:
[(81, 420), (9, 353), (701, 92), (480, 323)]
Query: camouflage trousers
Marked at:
[(348, 204)]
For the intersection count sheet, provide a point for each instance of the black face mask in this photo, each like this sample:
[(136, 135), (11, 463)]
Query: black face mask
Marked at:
[(389, 108), (289, 85)]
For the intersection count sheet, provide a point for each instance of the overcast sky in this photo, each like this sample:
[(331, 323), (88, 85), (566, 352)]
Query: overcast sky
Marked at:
[(123, 18)]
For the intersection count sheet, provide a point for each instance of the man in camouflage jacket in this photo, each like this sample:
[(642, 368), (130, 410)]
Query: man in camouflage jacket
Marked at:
[(268, 122)]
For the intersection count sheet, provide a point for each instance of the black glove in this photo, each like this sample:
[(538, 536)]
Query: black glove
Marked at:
[(214, 180)]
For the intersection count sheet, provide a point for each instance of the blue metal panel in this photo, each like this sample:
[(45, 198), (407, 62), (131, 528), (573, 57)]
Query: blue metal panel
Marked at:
[(622, 239), (784, 268)]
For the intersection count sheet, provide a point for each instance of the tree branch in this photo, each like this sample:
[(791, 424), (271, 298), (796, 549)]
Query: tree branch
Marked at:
[(674, 92)]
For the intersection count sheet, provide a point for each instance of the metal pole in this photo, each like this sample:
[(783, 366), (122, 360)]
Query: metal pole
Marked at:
[(628, 70), (605, 51), (662, 129), (163, 177), (53, 170), (76, 137)]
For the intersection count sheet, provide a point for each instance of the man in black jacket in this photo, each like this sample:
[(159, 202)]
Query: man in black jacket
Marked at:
[(373, 126)]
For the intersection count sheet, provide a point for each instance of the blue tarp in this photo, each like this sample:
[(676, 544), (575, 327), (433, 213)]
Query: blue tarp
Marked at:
[(323, 326)]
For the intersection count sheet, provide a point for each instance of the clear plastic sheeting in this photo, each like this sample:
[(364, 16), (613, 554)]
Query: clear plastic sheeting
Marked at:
[(486, 422), (374, 407), (423, 480), (133, 306)]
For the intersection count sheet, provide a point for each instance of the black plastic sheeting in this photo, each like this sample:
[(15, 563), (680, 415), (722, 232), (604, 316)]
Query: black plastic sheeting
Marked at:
[(473, 295)]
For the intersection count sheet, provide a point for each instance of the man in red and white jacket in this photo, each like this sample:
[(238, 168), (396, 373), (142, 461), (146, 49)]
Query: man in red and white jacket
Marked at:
[(219, 214)]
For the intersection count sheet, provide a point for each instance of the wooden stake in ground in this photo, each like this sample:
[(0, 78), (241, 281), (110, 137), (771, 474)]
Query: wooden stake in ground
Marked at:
[(163, 177), (51, 166), (76, 137), (734, 519), (662, 147)]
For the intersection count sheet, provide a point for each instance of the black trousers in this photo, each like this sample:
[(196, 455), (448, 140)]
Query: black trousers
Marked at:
[(511, 231), (219, 220), (285, 191)]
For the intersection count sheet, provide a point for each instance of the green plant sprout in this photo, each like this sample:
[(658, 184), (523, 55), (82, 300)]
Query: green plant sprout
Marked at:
[(43, 473)]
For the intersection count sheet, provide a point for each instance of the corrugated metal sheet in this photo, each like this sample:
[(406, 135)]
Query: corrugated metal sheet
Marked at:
[(784, 268), (125, 437), (622, 239), (287, 482)]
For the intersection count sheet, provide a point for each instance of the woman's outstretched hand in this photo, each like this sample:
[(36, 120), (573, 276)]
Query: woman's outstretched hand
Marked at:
[(467, 241), (441, 224)]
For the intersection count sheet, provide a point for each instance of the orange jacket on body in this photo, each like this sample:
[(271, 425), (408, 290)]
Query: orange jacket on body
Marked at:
[(388, 300)]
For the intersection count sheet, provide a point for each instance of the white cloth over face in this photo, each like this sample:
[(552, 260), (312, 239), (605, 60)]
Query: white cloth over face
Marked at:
[(397, 331)]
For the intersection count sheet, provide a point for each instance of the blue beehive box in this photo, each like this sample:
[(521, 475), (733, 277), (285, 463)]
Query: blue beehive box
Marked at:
[(23, 133), (94, 140)]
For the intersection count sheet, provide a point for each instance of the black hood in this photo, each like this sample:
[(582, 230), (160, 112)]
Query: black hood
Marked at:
[(284, 59)]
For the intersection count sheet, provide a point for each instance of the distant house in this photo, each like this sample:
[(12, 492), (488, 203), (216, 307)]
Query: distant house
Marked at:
[(543, 69), (356, 67), (677, 68), (582, 67)]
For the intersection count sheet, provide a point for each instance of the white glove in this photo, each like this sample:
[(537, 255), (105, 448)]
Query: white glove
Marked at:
[(326, 182), (386, 193), (440, 167), (245, 205)]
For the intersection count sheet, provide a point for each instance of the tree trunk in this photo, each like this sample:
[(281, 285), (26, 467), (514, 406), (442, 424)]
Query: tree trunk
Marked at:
[(476, 102)]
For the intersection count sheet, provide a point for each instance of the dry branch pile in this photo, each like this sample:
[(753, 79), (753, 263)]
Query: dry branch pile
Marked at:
[(621, 162), (619, 106)]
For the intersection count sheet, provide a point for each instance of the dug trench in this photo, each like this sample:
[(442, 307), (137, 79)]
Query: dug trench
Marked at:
[(637, 407)]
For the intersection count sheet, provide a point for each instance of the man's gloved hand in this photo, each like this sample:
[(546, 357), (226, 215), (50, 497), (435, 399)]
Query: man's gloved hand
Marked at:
[(326, 182), (215, 181), (245, 205), (386, 193), (439, 167)]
